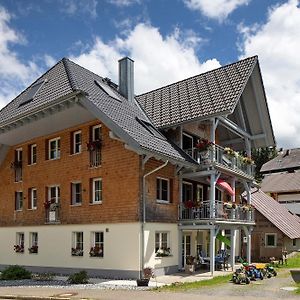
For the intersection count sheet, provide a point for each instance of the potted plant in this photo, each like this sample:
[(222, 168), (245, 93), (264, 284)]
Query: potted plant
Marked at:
[(96, 251), (189, 264), (163, 252), (19, 248), (147, 275), (248, 160), (93, 145), (230, 152), (76, 251), (203, 144), (33, 249)]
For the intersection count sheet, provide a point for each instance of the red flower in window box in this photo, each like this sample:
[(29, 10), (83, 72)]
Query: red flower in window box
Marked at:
[(189, 204), (203, 144)]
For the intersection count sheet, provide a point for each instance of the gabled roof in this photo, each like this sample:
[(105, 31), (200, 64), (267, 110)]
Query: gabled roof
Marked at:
[(288, 159), (121, 116), (212, 93), (276, 213), (283, 182)]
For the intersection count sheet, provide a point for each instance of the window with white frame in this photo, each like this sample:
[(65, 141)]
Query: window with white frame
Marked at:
[(162, 190), (54, 194), (271, 240), (19, 246), (96, 190), (54, 148), (18, 200), (77, 244), (77, 142), (33, 242), (162, 244), (32, 198), (76, 191), (97, 244), (32, 154), (96, 133)]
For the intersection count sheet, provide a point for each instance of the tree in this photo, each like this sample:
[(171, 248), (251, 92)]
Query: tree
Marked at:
[(260, 157)]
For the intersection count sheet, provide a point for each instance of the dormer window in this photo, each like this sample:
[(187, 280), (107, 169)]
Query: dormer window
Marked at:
[(31, 92)]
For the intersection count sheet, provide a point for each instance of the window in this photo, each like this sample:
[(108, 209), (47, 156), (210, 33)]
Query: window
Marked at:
[(97, 190), (162, 244), (32, 154), (54, 148), (17, 164), (187, 191), (294, 242), (77, 244), (107, 89), (76, 193), (271, 240), (18, 200), (31, 92), (33, 242), (76, 142), (54, 194), (32, 198), (19, 246), (96, 133), (199, 193), (162, 190), (97, 244), (150, 128)]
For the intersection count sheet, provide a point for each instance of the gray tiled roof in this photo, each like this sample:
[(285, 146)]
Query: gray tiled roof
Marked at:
[(284, 182), (276, 213), (211, 93), (67, 77), (287, 159)]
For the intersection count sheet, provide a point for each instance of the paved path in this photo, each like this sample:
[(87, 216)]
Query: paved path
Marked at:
[(266, 289)]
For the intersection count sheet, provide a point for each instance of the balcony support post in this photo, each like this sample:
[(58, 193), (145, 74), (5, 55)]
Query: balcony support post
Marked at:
[(233, 247), (212, 248), (180, 262), (248, 231)]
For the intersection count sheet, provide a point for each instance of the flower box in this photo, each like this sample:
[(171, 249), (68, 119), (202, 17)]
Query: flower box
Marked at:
[(76, 252), (96, 252), (33, 249), (19, 248)]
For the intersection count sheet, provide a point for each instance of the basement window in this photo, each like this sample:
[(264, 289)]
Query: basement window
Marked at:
[(31, 92), (108, 90)]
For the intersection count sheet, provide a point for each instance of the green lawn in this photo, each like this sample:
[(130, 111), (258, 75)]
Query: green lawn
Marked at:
[(196, 284), (293, 262)]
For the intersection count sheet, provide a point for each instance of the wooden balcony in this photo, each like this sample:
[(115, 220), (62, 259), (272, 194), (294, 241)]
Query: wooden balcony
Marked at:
[(216, 211), (217, 156)]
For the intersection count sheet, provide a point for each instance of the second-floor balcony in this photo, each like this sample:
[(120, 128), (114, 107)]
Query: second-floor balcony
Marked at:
[(216, 211), (225, 157)]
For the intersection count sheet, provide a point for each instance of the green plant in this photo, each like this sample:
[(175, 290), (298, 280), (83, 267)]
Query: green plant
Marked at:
[(78, 278), (43, 276), (15, 273)]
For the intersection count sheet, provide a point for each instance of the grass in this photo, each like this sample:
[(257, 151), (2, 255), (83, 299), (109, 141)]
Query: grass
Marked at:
[(293, 262), (175, 287)]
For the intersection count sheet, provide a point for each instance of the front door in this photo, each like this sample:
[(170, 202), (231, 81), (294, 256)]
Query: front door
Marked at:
[(186, 247)]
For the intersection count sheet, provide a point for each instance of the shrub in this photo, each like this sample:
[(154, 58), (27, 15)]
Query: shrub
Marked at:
[(15, 273), (79, 278)]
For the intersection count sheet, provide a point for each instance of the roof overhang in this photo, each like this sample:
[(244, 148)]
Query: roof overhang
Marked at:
[(65, 114)]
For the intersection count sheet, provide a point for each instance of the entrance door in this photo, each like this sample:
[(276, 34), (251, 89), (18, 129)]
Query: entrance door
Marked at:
[(186, 247)]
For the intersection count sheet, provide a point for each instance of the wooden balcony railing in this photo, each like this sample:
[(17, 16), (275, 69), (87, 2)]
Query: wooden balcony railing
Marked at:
[(217, 154), (216, 210)]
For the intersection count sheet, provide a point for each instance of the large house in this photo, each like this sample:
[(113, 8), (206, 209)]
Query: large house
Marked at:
[(282, 179), (96, 178)]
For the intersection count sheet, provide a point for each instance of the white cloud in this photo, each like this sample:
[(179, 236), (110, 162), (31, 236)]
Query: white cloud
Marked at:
[(75, 7), (124, 2), (215, 9), (158, 60), (277, 43), (14, 74)]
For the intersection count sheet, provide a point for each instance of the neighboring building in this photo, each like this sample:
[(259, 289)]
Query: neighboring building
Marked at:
[(94, 178), (282, 179), (276, 228)]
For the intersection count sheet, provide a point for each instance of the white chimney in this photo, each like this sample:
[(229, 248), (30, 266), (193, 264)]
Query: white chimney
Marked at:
[(126, 78)]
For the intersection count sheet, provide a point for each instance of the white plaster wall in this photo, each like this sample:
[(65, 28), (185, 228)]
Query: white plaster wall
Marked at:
[(160, 262), (121, 246), (288, 244)]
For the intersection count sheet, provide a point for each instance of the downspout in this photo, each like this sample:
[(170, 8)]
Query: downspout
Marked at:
[(144, 214)]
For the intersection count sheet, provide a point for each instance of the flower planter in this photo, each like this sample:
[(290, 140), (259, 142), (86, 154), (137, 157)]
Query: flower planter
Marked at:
[(189, 269), (142, 282)]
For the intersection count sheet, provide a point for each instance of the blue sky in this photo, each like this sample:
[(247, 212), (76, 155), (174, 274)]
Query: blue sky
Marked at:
[(168, 39)]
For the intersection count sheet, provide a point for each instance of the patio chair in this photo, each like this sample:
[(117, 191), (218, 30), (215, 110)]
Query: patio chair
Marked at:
[(201, 262)]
